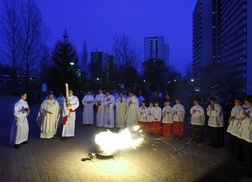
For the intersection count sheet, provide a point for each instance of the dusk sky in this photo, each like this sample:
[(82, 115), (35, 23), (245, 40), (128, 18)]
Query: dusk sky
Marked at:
[(98, 21)]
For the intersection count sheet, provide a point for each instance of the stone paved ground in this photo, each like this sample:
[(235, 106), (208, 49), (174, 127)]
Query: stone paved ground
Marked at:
[(157, 159)]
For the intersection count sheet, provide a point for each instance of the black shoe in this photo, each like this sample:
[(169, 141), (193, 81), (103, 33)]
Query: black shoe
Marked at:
[(64, 138), (26, 142), (16, 146)]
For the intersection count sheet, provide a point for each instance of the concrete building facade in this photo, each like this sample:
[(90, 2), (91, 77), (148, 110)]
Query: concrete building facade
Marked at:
[(156, 48), (222, 34)]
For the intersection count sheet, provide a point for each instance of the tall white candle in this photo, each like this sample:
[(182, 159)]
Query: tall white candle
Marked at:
[(67, 91)]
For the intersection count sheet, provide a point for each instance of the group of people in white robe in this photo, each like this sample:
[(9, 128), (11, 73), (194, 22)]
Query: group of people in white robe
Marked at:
[(110, 112), (126, 112), (52, 113), (240, 132), (56, 111)]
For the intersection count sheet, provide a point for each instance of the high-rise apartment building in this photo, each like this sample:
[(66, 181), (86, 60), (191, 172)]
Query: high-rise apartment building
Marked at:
[(222, 33), (101, 66), (155, 48)]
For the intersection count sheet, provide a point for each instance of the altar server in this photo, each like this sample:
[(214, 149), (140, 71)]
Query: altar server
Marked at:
[(20, 127), (88, 109)]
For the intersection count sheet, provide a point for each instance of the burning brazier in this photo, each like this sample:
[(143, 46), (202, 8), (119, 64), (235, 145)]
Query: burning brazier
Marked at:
[(108, 143)]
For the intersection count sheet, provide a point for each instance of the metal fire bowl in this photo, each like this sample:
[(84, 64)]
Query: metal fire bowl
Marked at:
[(101, 154)]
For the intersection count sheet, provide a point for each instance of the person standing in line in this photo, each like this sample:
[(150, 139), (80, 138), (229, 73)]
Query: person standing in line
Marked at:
[(178, 115), (167, 119), (109, 115), (215, 123), (99, 102), (132, 110), (197, 122), (121, 107), (245, 134), (156, 122), (20, 126), (143, 112), (48, 117), (237, 115), (71, 104), (149, 117), (88, 109)]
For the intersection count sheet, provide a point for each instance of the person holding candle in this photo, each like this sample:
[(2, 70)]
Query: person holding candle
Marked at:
[(71, 104)]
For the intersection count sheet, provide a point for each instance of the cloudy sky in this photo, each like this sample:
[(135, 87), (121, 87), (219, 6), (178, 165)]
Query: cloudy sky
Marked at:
[(98, 21)]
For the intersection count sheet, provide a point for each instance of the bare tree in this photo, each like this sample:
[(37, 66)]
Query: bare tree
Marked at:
[(34, 36), (10, 35), (126, 53), (24, 35)]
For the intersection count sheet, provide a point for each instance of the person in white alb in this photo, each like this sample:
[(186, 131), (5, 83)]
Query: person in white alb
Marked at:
[(109, 115), (197, 121), (99, 103), (149, 119), (167, 119), (20, 126), (235, 121), (245, 134), (178, 115), (215, 123), (132, 110), (48, 117), (88, 109), (121, 106), (156, 122), (142, 117), (69, 115)]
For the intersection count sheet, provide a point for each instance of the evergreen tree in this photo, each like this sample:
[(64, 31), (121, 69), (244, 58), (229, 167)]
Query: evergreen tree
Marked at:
[(65, 67)]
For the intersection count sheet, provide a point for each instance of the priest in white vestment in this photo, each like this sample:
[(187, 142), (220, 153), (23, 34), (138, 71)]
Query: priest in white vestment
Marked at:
[(88, 109), (48, 117), (20, 127), (99, 103), (132, 110), (109, 115), (121, 106), (69, 115)]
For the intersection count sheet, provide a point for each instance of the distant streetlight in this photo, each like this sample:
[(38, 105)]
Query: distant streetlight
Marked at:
[(143, 80), (192, 80), (71, 63)]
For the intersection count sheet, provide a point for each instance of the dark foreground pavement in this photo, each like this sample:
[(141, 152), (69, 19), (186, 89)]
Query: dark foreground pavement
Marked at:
[(157, 159)]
